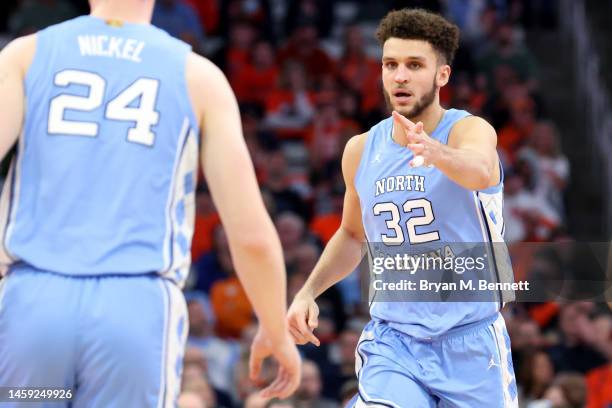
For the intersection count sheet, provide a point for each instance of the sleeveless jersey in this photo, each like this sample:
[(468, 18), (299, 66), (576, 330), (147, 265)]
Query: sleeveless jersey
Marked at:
[(420, 207), (105, 170)]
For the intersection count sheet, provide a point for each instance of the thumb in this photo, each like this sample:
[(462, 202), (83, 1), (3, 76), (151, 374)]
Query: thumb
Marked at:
[(313, 319), (254, 366)]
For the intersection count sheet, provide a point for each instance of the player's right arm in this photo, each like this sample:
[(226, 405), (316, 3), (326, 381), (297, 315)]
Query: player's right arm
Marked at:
[(340, 257), (15, 60), (253, 241)]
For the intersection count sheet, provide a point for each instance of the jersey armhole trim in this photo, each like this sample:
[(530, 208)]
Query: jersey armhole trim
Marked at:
[(193, 117), (360, 166)]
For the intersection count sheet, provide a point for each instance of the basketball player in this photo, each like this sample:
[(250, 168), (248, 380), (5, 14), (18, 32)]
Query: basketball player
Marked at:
[(98, 210), (444, 165)]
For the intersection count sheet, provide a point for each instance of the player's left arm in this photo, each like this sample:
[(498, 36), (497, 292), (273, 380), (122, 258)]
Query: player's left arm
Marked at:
[(15, 60), (469, 158)]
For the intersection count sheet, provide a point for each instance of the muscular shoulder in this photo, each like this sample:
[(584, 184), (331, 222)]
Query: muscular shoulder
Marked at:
[(200, 70), (205, 81), (471, 127), (19, 53), (352, 155)]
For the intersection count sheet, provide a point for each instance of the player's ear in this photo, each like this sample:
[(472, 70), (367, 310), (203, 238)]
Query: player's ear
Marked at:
[(443, 75)]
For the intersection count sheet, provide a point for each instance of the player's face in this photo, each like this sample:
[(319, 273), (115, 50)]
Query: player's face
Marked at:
[(411, 75)]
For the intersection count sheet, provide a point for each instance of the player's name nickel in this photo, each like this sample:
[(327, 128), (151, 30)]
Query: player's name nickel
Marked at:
[(109, 46)]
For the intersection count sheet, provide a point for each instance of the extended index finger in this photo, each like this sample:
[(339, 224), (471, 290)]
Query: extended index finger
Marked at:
[(402, 120)]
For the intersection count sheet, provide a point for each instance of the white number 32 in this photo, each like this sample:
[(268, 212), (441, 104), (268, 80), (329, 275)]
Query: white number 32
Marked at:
[(144, 116)]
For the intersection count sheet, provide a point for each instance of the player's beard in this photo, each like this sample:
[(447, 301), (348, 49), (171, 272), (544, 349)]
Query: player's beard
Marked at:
[(423, 103)]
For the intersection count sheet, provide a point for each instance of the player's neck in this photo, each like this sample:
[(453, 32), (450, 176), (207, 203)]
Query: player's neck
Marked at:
[(125, 11), (430, 117)]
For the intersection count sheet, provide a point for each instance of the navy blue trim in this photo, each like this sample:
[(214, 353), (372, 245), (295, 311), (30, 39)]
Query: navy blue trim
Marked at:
[(371, 256), (14, 166), (373, 402), (166, 342), (363, 359), (486, 224), (497, 187)]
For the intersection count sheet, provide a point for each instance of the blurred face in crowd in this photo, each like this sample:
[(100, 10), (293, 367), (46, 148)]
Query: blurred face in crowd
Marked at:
[(263, 54), (242, 35), (290, 229), (543, 371), (348, 343), (306, 36), (198, 321), (354, 40), (545, 141), (555, 396), (505, 35), (412, 75), (527, 334), (306, 255), (310, 387)]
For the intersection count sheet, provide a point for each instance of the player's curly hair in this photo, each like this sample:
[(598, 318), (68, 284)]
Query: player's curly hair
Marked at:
[(419, 24)]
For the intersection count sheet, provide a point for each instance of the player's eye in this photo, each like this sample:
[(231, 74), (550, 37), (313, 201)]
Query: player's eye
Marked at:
[(414, 65), (390, 65)]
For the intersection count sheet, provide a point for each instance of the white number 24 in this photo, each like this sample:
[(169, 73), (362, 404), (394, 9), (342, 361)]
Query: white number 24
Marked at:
[(119, 108)]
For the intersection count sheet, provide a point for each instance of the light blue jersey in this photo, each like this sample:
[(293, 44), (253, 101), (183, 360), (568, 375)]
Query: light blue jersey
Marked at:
[(414, 208), (104, 176), (429, 354), (97, 217)]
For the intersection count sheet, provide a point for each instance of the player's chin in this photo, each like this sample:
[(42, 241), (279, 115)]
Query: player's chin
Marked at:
[(403, 110)]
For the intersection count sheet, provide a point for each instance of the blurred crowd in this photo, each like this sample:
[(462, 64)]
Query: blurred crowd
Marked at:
[(307, 76)]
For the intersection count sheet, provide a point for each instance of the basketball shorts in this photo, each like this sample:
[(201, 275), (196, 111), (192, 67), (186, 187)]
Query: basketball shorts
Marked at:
[(466, 367), (113, 340)]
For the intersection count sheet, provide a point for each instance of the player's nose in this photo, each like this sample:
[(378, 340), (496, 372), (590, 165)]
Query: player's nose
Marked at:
[(402, 74)]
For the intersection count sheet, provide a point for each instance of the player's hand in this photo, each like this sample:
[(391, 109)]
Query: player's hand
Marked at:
[(303, 318), (289, 364), (426, 150)]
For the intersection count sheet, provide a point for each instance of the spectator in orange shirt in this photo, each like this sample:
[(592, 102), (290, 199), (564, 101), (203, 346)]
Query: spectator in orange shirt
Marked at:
[(290, 108), (256, 12), (599, 380), (325, 223), (206, 219), (259, 76), (599, 386), (231, 306), (359, 72), (328, 135), (235, 55), (516, 132), (303, 47)]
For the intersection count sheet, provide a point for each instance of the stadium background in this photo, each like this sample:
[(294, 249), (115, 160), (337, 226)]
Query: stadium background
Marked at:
[(306, 74)]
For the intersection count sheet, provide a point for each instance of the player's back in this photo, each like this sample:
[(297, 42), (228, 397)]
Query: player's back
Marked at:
[(104, 175)]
